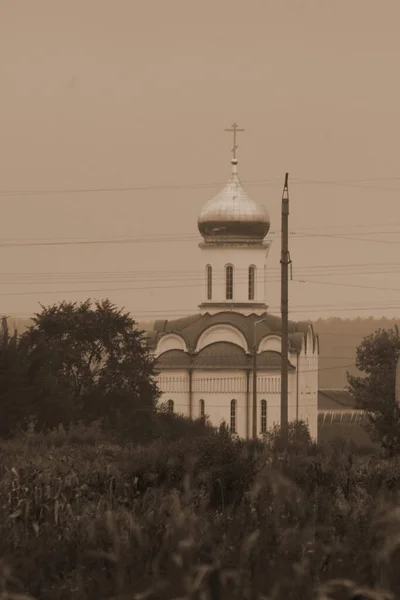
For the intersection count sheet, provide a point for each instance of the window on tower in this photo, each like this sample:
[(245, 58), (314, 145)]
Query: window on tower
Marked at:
[(233, 417), (170, 406), (263, 416), (229, 282), (252, 282), (209, 282)]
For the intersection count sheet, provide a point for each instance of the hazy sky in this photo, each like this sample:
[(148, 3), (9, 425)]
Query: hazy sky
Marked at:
[(125, 94)]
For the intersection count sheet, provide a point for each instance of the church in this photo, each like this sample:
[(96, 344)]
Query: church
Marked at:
[(206, 361)]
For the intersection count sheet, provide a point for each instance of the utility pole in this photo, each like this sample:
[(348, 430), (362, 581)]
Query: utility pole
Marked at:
[(254, 385), (285, 260)]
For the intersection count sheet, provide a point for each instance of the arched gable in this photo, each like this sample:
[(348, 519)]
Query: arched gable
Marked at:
[(270, 342), (170, 341), (221, 333)]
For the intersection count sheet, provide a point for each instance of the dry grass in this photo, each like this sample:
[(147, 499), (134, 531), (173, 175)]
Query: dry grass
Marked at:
[(201, 518)]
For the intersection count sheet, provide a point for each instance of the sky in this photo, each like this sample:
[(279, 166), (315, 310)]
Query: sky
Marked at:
[(112, 119)]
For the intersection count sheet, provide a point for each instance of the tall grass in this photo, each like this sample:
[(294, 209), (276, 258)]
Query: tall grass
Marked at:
[(199, 517)]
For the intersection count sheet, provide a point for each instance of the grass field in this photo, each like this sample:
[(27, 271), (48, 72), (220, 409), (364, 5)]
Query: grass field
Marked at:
[(204, 517)]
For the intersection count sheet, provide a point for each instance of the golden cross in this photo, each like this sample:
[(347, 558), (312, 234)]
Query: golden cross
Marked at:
[(234, 128)]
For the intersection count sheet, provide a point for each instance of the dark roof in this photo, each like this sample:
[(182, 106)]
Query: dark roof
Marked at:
[(219, 355), (335, 400), (173, 359), (271, 360), (191, 328)]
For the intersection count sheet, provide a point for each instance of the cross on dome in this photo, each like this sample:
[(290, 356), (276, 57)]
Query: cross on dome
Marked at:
[(234, 129)]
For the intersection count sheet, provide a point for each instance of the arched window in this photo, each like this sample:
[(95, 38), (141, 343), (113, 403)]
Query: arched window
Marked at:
[(229, 282), (233, 417), (202, 409), (170, 406), (263, 416), (209, 281), (252, 282)]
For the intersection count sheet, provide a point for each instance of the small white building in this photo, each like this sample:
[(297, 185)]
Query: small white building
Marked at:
[(205, 361)]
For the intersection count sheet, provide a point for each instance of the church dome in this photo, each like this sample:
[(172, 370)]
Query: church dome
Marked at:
[(232, 216)]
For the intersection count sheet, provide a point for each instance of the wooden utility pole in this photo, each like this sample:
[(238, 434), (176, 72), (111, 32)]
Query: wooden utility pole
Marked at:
[(254, 386), (285, 260)]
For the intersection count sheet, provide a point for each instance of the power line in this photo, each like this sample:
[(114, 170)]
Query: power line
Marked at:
[(300, 232), (196, 279), (160, 314), (189, 238), (351, 239), (182, 312), (44, 191), (196, 273), (185, 285), (359, 183), (345, 183)]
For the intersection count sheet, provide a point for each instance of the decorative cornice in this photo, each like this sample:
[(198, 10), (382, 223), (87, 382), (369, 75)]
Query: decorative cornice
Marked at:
[(233, 306), (245, 245)]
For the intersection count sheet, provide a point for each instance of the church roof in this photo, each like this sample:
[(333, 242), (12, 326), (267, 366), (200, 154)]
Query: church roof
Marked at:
[(191, 328), (335, 400), (219, 355), (174, 359)]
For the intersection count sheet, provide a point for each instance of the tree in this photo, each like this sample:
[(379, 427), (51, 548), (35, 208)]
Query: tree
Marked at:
[(375, 391), (15, 394), (296, 438), (88, 362)]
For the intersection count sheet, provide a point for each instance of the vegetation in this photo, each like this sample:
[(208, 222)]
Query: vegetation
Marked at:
[(77, 362), (339, 339), (374, 392), (196, 517), (104, 495)]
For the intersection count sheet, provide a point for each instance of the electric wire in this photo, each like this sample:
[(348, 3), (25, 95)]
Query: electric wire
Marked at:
[(358, 183), (175, 286), (188, 238), (193, 274)]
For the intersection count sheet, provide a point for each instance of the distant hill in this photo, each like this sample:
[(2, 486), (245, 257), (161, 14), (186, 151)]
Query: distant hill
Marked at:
[(339, 339)]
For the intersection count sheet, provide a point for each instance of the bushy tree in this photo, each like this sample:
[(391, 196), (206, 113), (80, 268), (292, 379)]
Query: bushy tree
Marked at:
[(374, 391), (15, 393), (295, 438), (88, 361)]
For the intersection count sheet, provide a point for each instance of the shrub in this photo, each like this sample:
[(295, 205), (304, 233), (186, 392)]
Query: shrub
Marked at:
[(294, 439), (205, 516)]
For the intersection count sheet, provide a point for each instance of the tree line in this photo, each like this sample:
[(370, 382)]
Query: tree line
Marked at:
[(88, 362), (76, 362)]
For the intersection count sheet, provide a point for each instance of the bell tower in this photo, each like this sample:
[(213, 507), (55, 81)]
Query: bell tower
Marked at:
[(234, 249)]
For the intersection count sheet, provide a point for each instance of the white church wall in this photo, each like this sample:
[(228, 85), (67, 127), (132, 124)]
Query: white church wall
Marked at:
[(269, 389), (308, 389), (174, 385), (218, 389), (292, 392), (241, 258)]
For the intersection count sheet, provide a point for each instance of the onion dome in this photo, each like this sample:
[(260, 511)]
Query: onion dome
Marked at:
[(232, 216)]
